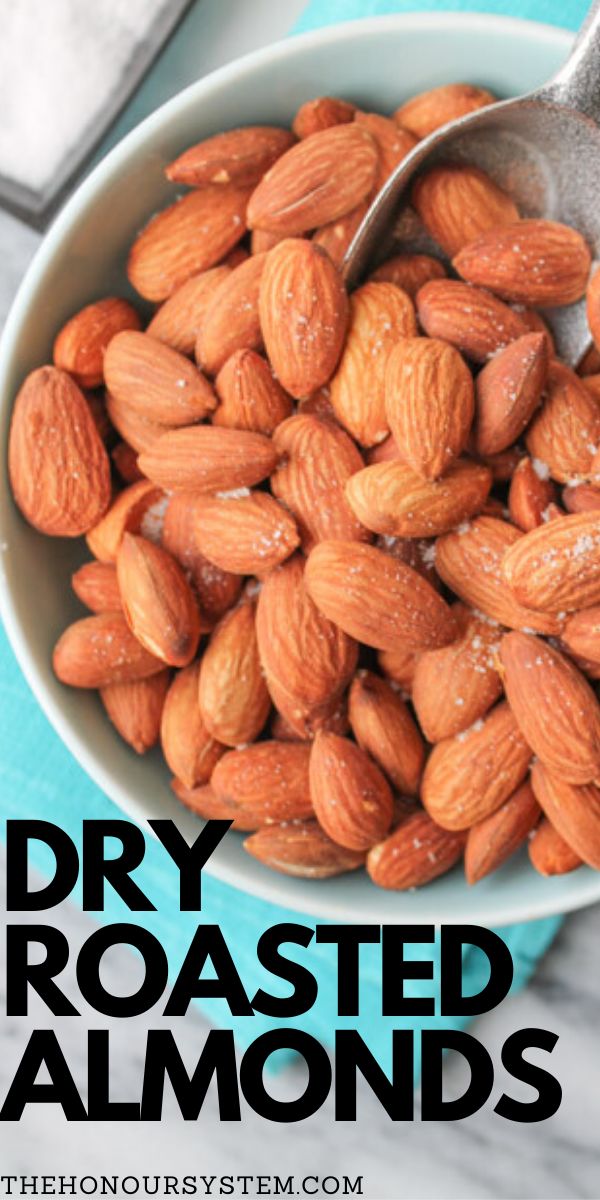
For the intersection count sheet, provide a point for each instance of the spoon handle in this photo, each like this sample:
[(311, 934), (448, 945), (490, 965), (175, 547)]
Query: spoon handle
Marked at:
[(577, 83)]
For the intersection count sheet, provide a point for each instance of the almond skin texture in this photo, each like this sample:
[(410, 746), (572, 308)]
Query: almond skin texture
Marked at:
[(508, 391), (233, 696), (492, 841), (593, 310), (216, 590), (336, 237), (270, 779), (190, 236), (95, 584), (415, 853), (247, 535), (157, 600), (125, 515), (231, 319), (307, 660), (583, 497), (79, 347), (251, 398), (457, 203), (539, 263), (205, 803), (137, 430), (381, 315), (59, 470), (391, 499), (155, 381), (469, 776), (557, 565), (124, 459), (135, 709), (566, 432), (573, 811), (529, 497), (239, 156), (319, 180), (317, 460), (303, 315), (470, 563), (454, 686), (102, 650), (399, 665), (581, 635), (189, 748), (302, 849), (351, 797), (409, 272), (322, 113), (549, 853), (429, 403), (177, 322), (207, 459), (384, 728), (435, 107), (553, 705), (470, 318), (392, 141), (375, 598)]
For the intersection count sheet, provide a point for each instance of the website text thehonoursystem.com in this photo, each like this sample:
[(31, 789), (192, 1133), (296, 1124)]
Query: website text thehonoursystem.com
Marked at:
[(181, 1185)]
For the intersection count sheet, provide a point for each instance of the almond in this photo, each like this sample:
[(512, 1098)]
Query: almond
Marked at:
[(593, 310), (537, 262), (508, 391), (188, 746), (136, 429), (322, 113), (399, 665), (492, 841), (351, 798), (303, 315), (573, 811), (468, 777), (384, 728), (557, 565), (581, 637), (457, 202), (247, 534), (95, 584), (135, 709), (216, 590), (391, 499), (190, 236), (409, 272), (504, 464), (157, 600), (204, 802), (529, 496), (155, 381), (336, 237), (317, 181), (581, 497), (470, 318), (429, 403), (418, 553), (590, 363), (381, 315), (251, 398), (125, 515), (565, 434), (231, 319), (239, 156), (553, 705), (417, 852), (270, 779), (207, 459), (375, 598), (428, 110), (102, 650), (536, 324), (179, 319), (58, 467), (549, 853), (392, 141), (303, 849), (456, 685), (233, 696), (79, 347), (124, 459)]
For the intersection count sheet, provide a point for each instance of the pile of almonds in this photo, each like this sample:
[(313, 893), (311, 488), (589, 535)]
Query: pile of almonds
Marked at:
[(345, 550)]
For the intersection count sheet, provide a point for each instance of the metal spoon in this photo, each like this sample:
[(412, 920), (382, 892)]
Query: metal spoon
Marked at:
[(542, 148)]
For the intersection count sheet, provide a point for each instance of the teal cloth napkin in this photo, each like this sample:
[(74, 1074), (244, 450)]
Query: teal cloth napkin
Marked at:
[(40, 779)]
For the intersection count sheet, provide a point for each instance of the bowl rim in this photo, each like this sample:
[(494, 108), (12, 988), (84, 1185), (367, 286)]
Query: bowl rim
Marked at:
[(583, 892)]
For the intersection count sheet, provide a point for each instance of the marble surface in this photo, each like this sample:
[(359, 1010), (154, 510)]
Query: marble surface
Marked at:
[(483, 1157)]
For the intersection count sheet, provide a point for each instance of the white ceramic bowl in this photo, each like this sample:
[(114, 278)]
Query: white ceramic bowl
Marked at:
[(376, 62)]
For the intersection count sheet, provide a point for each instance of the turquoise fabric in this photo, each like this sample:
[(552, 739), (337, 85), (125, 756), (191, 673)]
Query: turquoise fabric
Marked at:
[(40, 779)]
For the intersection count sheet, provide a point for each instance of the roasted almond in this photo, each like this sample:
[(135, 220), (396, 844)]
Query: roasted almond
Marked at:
[(530, 494), (188, 746), (124, 459), (508, 391), (556, 566), (565, 434), (207, 459), (337, 236), (428, 110), (270, 779), (392, 141), (391, 499), (409, 272), (157, 601), (246, 534), (384, 728), (125, 515), (581, 637), (95, 584), (456, 685), (399, 665), (536, 262), (101, 650), (80, 345), (251, 398), (351, 797), (457, 202), (216, 590), (204, 802), (470, 318), (231, 320), (573, 811), (322, 113), (429, 403), (233, 696), (581, 497), (415, 853), (179, 319), (492, 841), (136, 429), (238, 156), (155, 381), (135, 709), (303, 849), (549, 853)]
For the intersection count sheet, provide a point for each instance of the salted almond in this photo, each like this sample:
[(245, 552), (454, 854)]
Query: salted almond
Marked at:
[(590, 363), (381, 315), (124, 459), (384, 728), (351, 797), (337, 236), (238, 156), (188, 746), (409, 272), (456, 685), (391, 499), (593, 311), (529, 496), (231, 319), (216, 590), (125, 515), (178, 321), (233, 697), (573, 811), (95, 584), (537, 262), (428, 110), (204, 458), (251, 398), (415, 853), (392, 141), (80, 345), (303, 315), (492, 841), (302, 849), (319, 404), (554, 706), (322, 113), (470, 318), (429, 403), (319, 180), (204, 802), (375, 598), (470, 563), (549, 853), (135, 709), (246, 534), (508, 391), (457, 202), (581, 638), (581, 497), (58, 467), (386, 451), (557, 565), (157, 600), (399, 665), (101, 650), (190, 236), (155, 381), (317, 460), (468, 777), (565, 434), (536, 324), (270, 779), (137, 430), (418, 553), (504, 464)]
